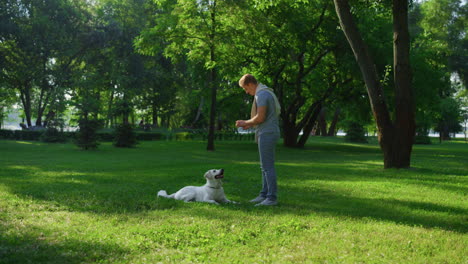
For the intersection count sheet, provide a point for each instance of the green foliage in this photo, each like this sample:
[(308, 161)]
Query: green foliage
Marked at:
[(422, 139), (20, 134), (86, 137), (438, 33), (124, 136), (54, 131), (422, 135), (183, 136), (38, 46), (151, 59), (355, 133), (53, 135), (449, 117)]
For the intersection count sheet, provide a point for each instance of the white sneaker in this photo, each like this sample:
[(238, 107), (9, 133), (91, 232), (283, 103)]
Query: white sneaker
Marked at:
[(258, 199), (267, 202)]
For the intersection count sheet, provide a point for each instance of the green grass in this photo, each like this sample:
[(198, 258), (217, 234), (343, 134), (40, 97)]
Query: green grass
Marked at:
[(59, 204)]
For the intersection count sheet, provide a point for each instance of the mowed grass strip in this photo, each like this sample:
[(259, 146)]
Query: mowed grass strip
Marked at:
[(59, 204)]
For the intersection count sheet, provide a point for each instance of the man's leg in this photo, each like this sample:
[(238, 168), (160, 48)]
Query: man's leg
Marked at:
[(266, 147)]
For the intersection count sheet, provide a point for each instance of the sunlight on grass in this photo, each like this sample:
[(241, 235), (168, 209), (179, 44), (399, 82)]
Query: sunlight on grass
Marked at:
[(363, 146), (370, 162), (25, 168), (248, 163), (337, 205), (291, 164), (37, 171), (29, 143)]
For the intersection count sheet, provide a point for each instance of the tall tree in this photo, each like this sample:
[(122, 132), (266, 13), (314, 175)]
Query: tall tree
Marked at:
[(196, 30), (395, 137), (443, 33), (285, 44), (35, 62)]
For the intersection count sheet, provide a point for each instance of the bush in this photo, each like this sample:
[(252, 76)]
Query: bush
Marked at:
[(105, 136), (20, 134), (355, 133), (422, 135), (124, 136), (183, 136), (422, 139), (53, 135), (7, 134), (149, 136), (86, 137)]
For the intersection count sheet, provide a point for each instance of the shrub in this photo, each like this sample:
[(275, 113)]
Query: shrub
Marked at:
[(422, 139), (124, 136), (183, 136), (52, 135), (422, 136), (21, 134), (7, 134), (149, 136), (86, 137), (105, 136), (355, 133)]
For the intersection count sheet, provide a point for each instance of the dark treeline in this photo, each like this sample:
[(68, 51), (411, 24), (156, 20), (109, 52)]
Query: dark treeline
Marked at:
[(175, 64)]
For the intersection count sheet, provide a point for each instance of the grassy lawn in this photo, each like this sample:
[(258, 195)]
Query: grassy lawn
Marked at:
[(59, 204)]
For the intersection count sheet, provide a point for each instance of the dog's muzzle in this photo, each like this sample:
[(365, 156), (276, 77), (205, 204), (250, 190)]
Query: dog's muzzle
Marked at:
[(220, 175)]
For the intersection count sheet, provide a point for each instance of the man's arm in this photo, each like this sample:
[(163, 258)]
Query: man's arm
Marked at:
[(256, 120)]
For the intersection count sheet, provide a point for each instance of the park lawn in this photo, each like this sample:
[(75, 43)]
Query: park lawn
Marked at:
[(59, 204)]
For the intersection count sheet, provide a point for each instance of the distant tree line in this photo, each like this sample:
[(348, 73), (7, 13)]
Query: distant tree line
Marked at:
[(175, 64)]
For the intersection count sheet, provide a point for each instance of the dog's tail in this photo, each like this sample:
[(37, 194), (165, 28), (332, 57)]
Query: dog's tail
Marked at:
[(164, 194)]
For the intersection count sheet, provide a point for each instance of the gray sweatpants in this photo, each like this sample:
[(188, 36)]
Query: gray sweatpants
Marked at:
[(266, 149)]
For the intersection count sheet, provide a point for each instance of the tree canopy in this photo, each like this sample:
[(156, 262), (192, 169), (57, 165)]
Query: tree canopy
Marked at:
[(175, 63)]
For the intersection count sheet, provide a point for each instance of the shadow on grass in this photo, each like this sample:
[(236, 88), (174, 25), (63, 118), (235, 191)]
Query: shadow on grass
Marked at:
[(29, 249), (121, 197), (411, 213), (103, 193)]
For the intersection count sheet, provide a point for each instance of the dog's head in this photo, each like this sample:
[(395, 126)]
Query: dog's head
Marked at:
[(214, 174)]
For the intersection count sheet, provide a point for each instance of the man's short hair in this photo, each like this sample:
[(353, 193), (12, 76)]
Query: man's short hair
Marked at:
[(246, 79)]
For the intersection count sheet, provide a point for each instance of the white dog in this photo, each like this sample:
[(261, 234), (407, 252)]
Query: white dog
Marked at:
[(211, 192)]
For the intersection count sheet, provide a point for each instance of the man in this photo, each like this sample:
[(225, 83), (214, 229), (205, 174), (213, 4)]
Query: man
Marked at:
[(264, 117)]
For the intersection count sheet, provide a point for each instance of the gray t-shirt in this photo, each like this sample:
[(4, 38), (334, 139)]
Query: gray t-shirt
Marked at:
[(270, 125)]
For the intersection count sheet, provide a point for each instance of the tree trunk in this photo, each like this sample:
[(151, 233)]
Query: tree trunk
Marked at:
[(163, 120), (211, 132), (25, 94), (310, 124), (125, 110), (395, 139), (155, 113), (109, 110), (332, 129), (199, 110), (323, 122), (42, 101), (290, 134), (210, 146), (289, 115), (404, 102)]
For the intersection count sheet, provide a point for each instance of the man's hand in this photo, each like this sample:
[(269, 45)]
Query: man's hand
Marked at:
[(243, 124)]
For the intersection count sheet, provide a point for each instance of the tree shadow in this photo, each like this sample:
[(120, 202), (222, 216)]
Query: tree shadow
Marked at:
[(32, 249), (301, 202), (411, 213), (96, 192), (108, 192)]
